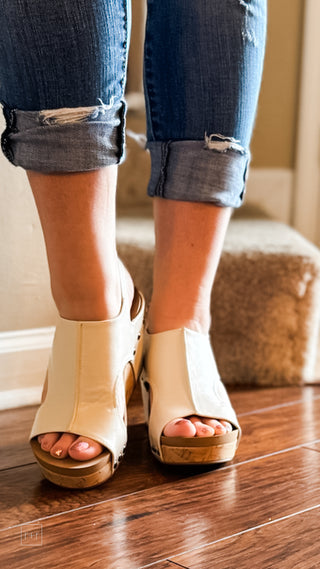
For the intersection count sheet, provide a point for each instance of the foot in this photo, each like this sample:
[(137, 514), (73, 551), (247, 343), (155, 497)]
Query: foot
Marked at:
[(192, 426), (62, 445)]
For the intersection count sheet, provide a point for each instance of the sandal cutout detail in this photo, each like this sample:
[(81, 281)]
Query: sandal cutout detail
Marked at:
[(93, 369), (180, 379)]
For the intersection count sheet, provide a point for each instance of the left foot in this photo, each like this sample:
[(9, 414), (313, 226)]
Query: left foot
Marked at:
[(192, 426), (195, 426)]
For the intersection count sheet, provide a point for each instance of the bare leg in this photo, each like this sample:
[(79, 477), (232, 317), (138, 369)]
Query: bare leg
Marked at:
[(189, 239), (77, 213)]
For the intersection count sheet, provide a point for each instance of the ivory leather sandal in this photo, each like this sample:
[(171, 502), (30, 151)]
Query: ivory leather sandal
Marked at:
[(180, 379), (91, 376)]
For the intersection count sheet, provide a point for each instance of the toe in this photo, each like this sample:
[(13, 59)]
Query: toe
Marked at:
[(48, 440), (84, 449), (202, 430), (179, 428), (219, 428), (227, 426), (60, 448)]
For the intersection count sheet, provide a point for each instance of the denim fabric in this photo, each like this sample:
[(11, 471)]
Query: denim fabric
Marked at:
[(64, 54), (204, 79), (203, 68)]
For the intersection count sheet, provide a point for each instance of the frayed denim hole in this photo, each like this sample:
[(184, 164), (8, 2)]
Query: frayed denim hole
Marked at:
[(220, 143)]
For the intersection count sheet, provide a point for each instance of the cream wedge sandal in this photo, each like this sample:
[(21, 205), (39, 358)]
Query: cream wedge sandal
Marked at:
[(92, 373), (180, 378)]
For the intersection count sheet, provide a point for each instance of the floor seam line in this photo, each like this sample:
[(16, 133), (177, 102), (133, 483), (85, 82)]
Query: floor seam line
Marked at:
[(243, 532), (17, 466), (313, 449), (250, 460), (173, 563), (274, 407)]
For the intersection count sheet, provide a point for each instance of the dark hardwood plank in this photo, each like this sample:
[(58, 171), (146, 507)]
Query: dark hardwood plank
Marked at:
[(293, 542), (15, 424), (160, 523), (277, 429), (258, 399), (25, 495)]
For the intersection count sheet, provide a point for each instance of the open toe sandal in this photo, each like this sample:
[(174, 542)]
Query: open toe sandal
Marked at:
[(180, 379), (92, 373)]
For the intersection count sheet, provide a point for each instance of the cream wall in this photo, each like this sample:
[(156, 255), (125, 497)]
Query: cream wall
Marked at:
[(25, 300), (274, 138)]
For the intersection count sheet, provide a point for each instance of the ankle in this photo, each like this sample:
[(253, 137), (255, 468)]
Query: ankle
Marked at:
[(89, 306), (161, 319), (94, 298)]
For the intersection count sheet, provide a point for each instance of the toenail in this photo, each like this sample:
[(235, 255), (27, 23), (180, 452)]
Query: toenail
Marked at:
[(81, 446), (58, 452)]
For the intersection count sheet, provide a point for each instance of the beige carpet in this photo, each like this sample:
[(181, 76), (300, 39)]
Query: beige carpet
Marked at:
[(265, 302)]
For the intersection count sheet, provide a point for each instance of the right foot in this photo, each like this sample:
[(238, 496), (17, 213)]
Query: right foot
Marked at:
[(61, 445)]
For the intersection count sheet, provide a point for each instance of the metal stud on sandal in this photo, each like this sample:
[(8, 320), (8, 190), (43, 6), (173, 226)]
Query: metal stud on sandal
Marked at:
[(180, 379)]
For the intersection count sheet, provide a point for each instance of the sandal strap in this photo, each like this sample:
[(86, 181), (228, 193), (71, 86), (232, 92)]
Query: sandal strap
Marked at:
[(182, 376), (86, 391)]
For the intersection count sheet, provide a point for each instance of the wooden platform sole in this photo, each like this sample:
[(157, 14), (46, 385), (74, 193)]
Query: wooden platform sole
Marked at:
[(198, 450), (70, 473)]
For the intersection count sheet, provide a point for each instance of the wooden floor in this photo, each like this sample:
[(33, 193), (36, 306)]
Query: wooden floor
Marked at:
[(261, 511)]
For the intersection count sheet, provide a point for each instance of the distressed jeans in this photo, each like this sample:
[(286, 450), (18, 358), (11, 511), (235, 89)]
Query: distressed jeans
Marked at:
[(62, 89)]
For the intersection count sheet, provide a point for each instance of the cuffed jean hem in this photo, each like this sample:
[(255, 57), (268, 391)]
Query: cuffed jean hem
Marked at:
[(195, 171), (65, 140)]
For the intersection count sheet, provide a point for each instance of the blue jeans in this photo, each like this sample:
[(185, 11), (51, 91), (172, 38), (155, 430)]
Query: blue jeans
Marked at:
[(62, 82)]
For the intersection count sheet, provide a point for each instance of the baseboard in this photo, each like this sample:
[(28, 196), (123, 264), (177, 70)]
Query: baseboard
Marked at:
[(20, 398), (24, 340), (23, 362)]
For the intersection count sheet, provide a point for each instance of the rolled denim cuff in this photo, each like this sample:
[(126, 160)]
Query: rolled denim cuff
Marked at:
[(65, 140), (195, 171)]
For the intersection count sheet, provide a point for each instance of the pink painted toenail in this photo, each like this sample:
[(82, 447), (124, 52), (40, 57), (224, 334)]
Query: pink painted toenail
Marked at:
[(81, 446)]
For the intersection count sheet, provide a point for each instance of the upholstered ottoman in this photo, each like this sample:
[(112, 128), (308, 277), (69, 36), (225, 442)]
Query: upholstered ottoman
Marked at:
[(265, 302)]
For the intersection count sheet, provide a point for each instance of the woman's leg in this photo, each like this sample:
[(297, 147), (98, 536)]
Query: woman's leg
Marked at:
[(62, 77), (202, 84), (77, 213)]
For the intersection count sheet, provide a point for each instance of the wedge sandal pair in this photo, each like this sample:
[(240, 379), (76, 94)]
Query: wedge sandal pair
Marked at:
[(92, 373)]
